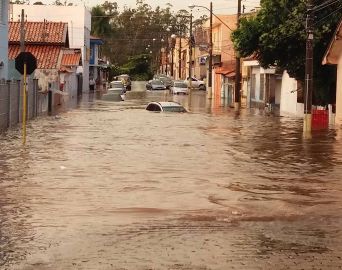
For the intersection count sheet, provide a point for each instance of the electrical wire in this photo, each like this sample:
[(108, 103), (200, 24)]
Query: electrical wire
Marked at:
[(332, 13), (326, 4)]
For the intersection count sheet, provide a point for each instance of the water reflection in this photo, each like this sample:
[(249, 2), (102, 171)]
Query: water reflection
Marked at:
[(110, 185)]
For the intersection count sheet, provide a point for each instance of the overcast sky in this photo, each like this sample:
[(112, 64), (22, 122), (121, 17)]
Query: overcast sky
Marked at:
[(219, 6)]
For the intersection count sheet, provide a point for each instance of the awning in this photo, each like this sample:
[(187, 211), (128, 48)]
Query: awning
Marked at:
[(224, 70)]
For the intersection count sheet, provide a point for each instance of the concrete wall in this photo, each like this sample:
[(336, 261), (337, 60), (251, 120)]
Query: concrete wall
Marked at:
[(11, 103), (288, 98), (79, 26), (339, 92), (4, 39)]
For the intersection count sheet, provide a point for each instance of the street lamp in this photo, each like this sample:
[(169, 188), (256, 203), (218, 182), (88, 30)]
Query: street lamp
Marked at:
[(210, 46)]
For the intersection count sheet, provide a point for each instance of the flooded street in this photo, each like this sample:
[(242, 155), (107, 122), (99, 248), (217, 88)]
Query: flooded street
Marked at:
[(110, 185)]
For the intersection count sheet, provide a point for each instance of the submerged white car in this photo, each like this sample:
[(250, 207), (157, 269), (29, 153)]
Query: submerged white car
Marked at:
[(169, 106)]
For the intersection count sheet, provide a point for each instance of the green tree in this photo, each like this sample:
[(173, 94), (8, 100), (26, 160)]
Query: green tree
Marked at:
[(133, 32), (276, 36)]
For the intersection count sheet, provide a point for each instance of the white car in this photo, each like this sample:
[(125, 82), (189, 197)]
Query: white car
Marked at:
[(179, 87), (169, 106), (196, 83)]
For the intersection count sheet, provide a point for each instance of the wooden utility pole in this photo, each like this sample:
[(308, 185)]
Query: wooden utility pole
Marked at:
[(210, 71), (308, 68), (190, 53), (180, 58), (22, 49), (237, 66), (22, 31)]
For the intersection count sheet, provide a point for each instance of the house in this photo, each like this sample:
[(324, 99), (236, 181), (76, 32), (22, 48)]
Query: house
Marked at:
[(200, 54), (223, 73), (263, 85), (98, 67), (78, 19), (3, 39), (48, 42), (271, 88), (333, 56)]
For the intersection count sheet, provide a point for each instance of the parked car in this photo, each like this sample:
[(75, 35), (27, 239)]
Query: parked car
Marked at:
[(126, 80), (155, 85), (116, 91), (169, 106), (179, 87), (165, 79), (196, 83), (117, 86)]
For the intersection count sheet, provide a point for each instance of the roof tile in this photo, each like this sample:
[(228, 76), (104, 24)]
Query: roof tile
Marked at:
[(47, 56), (39, 32), (71, 57)]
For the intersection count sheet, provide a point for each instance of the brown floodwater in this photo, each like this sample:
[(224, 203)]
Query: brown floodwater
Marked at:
[(109, 185)]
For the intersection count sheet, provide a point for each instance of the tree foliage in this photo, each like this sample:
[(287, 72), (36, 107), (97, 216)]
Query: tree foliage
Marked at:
[(130, 33), (276, 36)]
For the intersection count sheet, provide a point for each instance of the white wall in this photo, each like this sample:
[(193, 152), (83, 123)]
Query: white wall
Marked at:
[(79, 26), (339, 92), (256, 71), (277, 90), (288, 97), (4, 39)]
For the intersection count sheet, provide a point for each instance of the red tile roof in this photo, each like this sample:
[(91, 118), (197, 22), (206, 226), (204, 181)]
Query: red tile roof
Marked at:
[(47, 56), (71, 57), (39, 32)]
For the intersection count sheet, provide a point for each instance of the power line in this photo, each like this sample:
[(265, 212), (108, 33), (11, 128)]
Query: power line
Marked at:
[(332, 13), (326, 4)]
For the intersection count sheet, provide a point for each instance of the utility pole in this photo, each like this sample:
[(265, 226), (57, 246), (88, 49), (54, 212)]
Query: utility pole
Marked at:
[(237, 66), (22, 49), (210, 79), (308, 68), (172, 52), (190, 53), (22, 31), (180, 58)]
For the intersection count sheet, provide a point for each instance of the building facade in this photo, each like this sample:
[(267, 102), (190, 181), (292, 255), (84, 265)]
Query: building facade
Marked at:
[(4, 39), (78, 19), (333, 56)]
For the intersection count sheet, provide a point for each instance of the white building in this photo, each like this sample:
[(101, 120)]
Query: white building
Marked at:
[(4, 39), (333, 56), (79, 26)]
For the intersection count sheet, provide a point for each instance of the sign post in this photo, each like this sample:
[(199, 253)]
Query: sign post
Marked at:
[(25, 63)]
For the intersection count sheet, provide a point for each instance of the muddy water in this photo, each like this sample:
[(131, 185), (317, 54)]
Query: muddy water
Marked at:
[(112, 186)]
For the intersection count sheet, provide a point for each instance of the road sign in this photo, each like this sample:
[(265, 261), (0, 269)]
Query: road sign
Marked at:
[(29, 59)]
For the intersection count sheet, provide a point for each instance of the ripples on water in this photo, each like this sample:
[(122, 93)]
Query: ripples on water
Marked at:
[(112, 186)]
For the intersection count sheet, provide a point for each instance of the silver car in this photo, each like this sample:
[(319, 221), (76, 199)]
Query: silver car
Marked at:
[(155, 85), (179, 87)]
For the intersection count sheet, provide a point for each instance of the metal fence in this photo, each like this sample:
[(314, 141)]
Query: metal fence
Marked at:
[(11, 106)]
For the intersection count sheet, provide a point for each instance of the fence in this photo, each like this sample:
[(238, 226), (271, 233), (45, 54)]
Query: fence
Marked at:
[(11, 98)]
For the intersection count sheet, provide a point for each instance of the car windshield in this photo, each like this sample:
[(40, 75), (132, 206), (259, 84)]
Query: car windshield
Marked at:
[(174, 109), (116, 85), (181, 85), (157, 82)]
